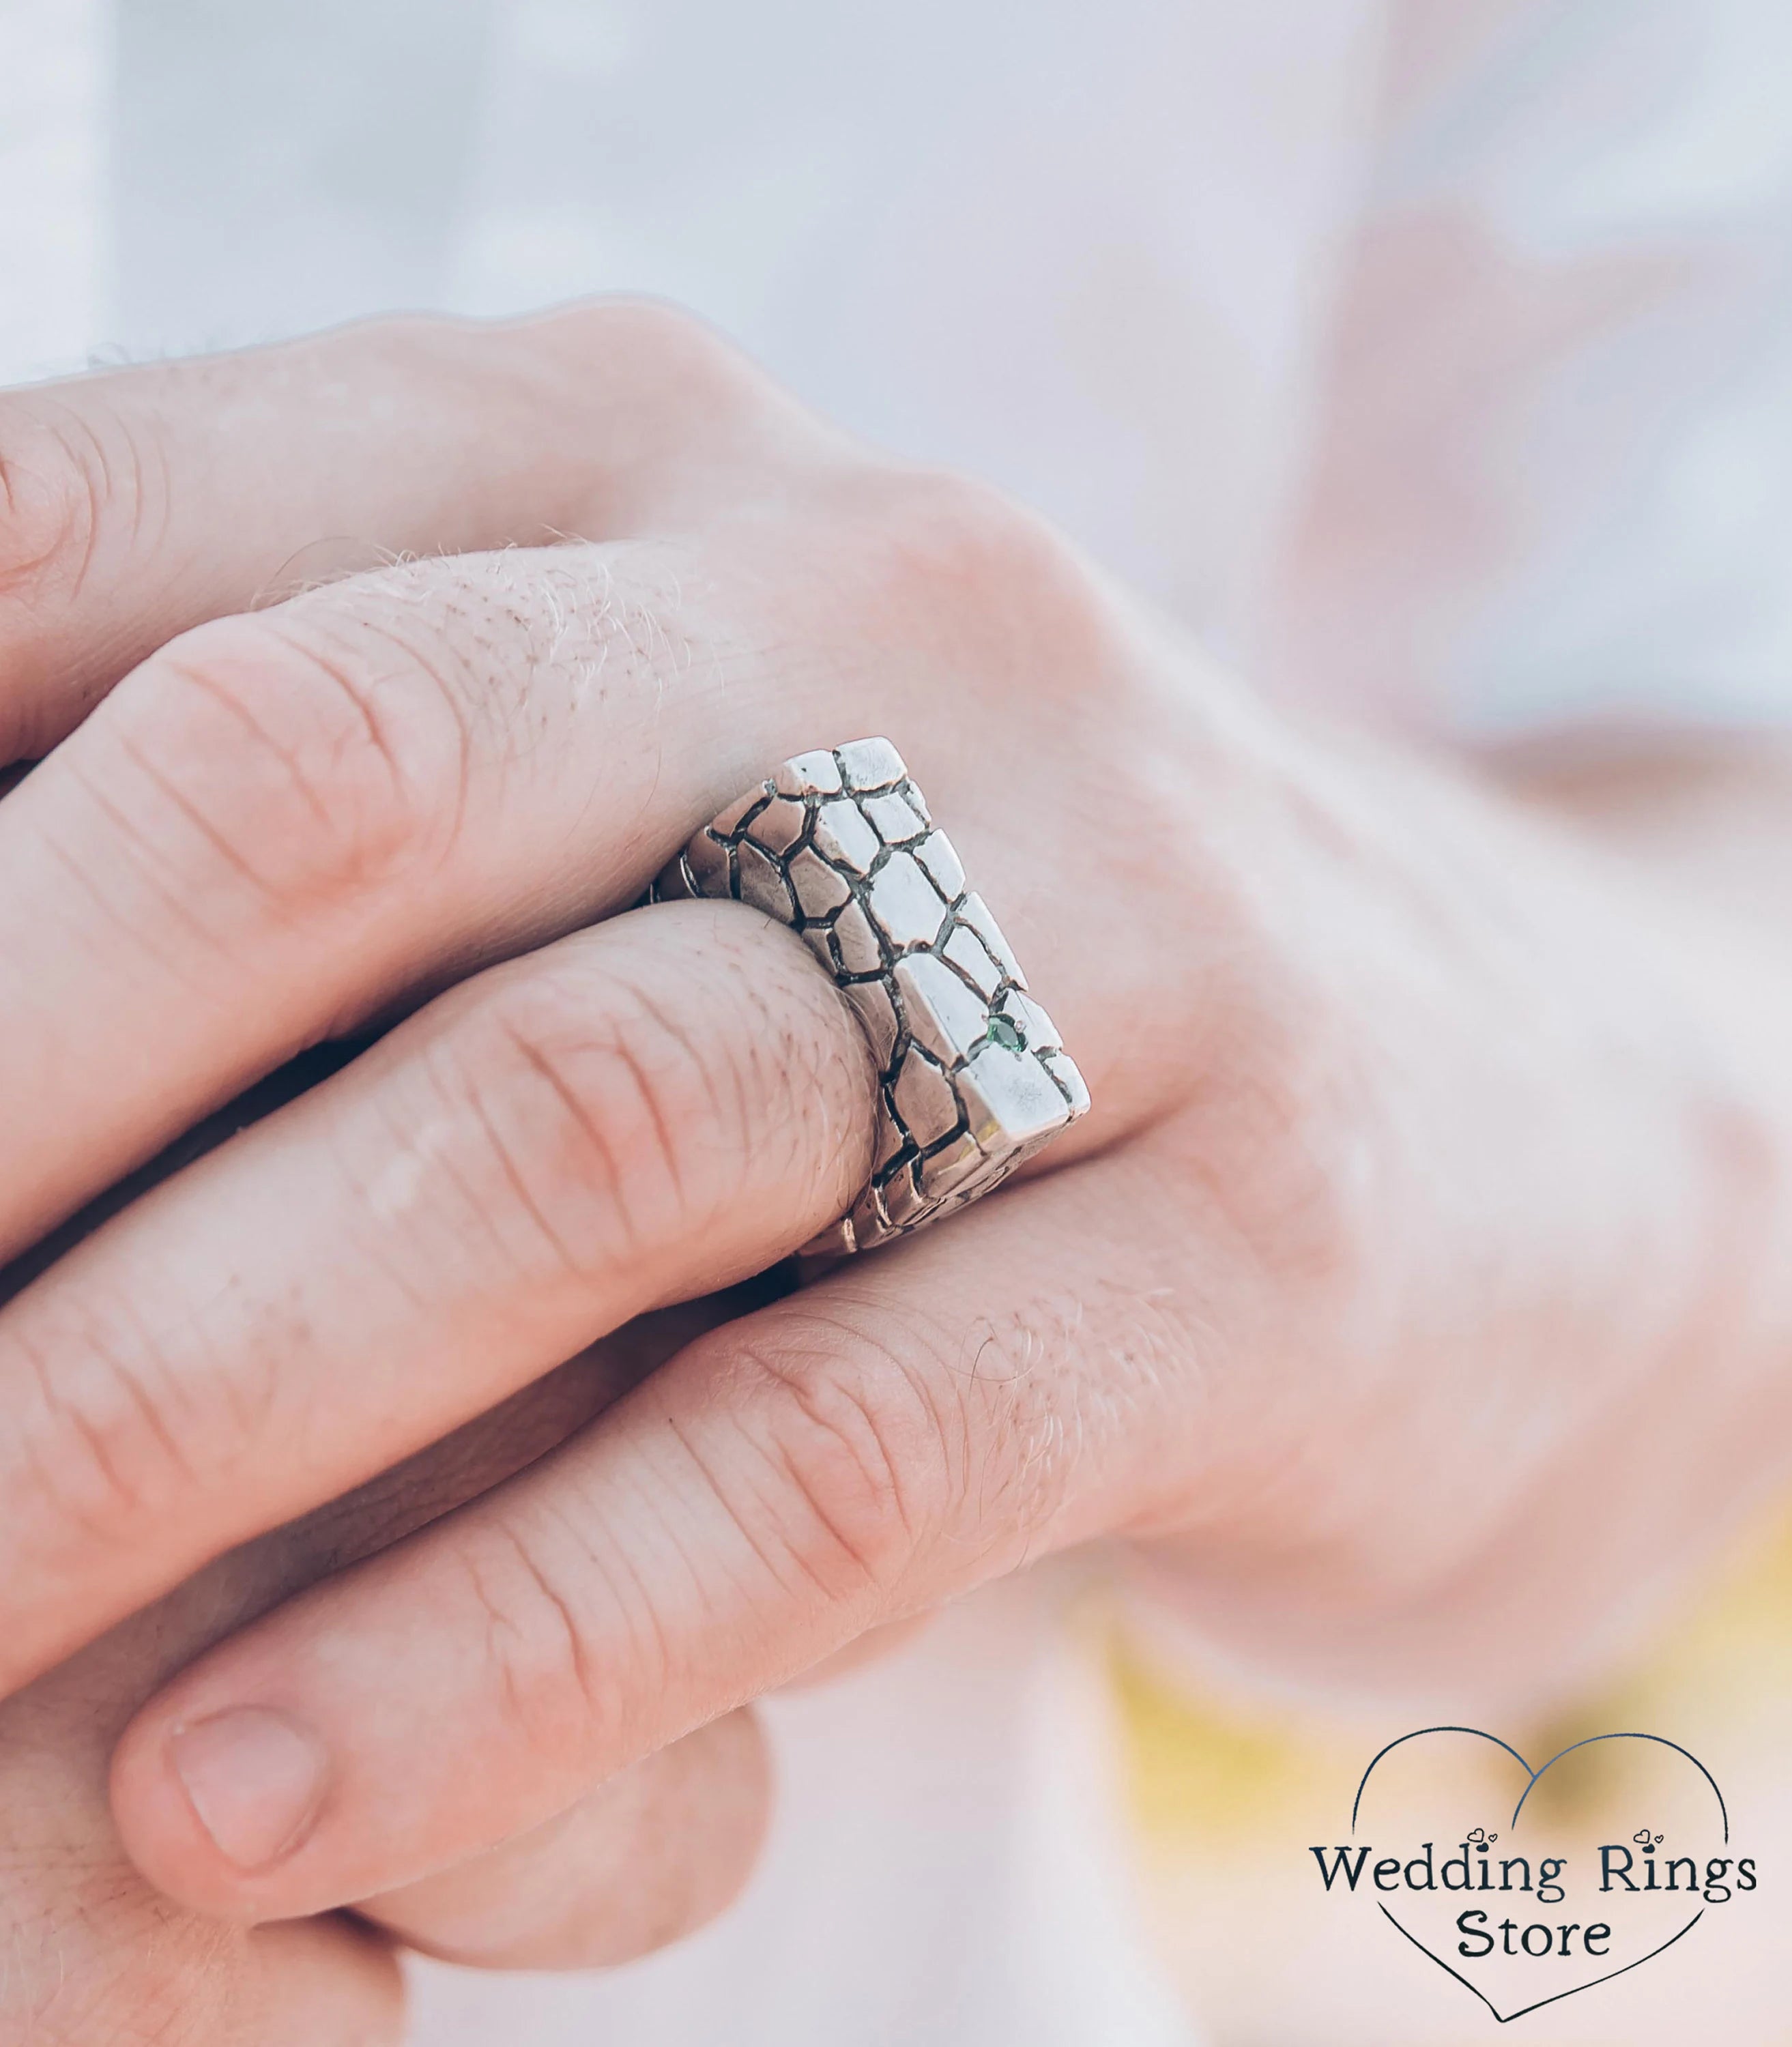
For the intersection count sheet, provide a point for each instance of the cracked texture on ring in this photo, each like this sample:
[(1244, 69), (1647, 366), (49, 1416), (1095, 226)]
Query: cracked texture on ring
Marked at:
[(972, 1077)]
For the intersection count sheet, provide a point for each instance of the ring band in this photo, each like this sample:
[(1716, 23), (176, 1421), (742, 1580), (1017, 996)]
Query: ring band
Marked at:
[(972, 1077)]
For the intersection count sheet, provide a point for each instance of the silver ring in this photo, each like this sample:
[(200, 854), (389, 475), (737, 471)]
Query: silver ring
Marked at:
[(972, 1077)]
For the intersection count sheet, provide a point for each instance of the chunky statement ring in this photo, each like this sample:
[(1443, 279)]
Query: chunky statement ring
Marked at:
[(972, 1077)]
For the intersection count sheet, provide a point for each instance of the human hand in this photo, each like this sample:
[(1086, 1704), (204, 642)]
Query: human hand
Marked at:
[(93, 1952), (1396, 1106)]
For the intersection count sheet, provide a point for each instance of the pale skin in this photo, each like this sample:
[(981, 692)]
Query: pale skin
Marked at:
[(1413, 1301)]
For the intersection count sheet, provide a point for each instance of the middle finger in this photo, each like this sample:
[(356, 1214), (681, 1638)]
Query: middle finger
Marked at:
[(640, 1114)]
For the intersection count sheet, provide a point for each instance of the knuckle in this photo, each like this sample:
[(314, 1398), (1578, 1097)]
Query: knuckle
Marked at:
[(904, 1456), (866, 1459), (82, 486), (550, 1690), (940, 545), (662, 338), (65, 475), (588, 1101), (667, 356), (76, 485), (313, 772), (50, 505), (959, 528), (98, 1448)]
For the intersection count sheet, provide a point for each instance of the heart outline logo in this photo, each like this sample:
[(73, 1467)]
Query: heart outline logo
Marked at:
[(1532, 1777)]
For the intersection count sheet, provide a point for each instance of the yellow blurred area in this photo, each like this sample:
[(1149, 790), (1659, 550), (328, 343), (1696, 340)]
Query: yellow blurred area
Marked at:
[(1227, 1793)]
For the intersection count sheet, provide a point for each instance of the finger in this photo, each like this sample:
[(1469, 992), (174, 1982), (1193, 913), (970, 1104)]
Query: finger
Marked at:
[(647, 1857), (650, 1856), (642, 1113), (127, 1972), (907, 1429), (318, 1982), (139, 503), (871, 1647), (278, 825)]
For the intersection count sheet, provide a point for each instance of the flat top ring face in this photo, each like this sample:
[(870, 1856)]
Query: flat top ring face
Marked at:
[(972, 1077)]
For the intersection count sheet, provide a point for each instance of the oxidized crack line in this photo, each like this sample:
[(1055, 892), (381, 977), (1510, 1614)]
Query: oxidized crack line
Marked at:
[(973, 1078)]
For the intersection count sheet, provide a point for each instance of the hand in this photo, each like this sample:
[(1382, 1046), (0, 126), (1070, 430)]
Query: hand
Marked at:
[(95, 1953), (1366, 1294)]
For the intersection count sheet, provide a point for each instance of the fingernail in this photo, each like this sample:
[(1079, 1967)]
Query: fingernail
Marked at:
[(255, 1780)]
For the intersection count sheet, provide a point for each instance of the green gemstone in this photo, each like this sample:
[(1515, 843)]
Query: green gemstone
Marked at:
[(1005, 1032)]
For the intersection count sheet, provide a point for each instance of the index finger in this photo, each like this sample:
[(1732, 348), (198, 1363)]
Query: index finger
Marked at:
[(139, 503)]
